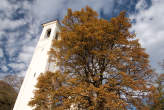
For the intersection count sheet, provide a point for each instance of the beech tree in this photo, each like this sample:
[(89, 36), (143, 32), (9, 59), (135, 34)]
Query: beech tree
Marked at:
[(102, 66), (157, 97)]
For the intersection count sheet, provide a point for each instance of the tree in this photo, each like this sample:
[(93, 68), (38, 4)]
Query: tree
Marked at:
[(157, 96), (102, 66), (7, 96), (14, 80)]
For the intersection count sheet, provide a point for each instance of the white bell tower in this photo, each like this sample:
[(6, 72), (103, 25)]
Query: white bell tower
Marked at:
[(39, 64)]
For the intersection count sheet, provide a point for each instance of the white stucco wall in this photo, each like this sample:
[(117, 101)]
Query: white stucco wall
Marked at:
[(39, 64)]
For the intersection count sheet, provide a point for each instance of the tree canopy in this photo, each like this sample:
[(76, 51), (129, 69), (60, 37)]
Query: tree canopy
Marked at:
[(7, 96), (102, 66), (14, 80), (156, 101)]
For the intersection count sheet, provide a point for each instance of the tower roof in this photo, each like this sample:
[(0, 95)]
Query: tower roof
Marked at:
[(51, 22)]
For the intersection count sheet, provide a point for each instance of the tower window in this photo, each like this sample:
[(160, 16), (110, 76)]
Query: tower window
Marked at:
[(34, 74), (57, 35), (48, 33)]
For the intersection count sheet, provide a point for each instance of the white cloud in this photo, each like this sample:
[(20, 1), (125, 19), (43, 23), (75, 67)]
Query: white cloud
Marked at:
[(12, 35), (26, 54), (4, 68), (17, 66), (141, 5), (11, 24), (149, 28), (43, 10), (1, 53)]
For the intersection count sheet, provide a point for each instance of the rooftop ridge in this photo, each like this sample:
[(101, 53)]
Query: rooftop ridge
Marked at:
[(50, 22)]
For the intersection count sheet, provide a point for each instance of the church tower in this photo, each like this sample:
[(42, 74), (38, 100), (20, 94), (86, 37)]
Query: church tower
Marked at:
[(39, 64)]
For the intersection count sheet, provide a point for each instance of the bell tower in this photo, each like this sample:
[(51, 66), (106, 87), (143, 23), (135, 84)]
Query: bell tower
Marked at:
[(39, 64)]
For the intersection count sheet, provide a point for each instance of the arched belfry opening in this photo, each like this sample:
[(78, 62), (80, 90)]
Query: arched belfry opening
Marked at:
[(48, 33), (57, 36)]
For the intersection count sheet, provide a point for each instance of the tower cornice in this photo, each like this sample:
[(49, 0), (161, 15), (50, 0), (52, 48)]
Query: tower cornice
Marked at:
[(51, 22)]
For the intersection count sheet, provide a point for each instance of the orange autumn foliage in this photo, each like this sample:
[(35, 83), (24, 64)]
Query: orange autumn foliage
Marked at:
[(157, 96), (102, 66), (156, 100)]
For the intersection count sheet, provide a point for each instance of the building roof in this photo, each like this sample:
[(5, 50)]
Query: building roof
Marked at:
[(51, 22)]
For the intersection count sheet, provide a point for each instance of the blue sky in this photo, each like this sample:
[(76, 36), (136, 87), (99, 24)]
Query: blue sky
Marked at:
[(20, 26)]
